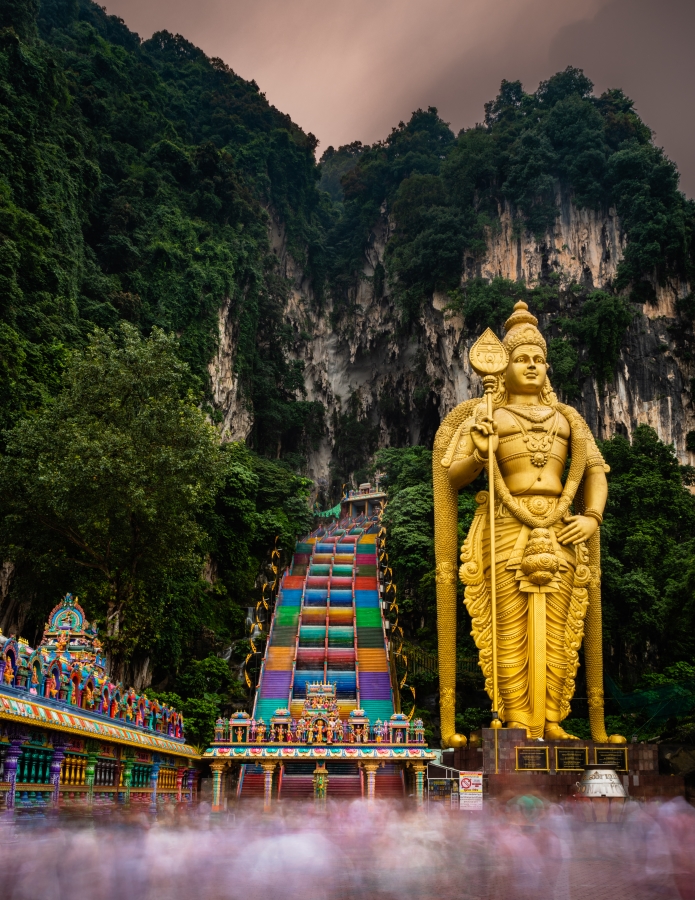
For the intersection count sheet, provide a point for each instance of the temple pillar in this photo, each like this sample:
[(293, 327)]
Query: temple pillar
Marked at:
[(55, 767), (370, 768), (127, 764), (12, 755), (419, 770), (154, 778), (320, 780), (180, 772), (218, 767), (90, 772), (193, 776), (268, 769)]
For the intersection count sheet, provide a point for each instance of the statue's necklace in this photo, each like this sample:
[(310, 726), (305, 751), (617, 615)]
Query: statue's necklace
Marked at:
[(538, 441), (535, 414)]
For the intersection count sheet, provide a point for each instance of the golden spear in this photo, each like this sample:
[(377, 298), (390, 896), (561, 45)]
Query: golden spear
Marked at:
[(489, 358)]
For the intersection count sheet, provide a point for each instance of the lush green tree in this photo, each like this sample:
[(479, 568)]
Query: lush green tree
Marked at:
[(648, 546), (113, 475)]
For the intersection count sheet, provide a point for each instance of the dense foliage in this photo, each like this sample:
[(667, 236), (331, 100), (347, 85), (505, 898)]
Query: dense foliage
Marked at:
[(136, 183)]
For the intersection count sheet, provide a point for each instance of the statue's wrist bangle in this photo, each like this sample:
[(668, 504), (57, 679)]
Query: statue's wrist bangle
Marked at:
[(478, 458), (594, 514)]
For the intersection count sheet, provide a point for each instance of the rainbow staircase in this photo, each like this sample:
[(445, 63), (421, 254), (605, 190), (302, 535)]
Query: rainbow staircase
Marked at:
[(328, 626)]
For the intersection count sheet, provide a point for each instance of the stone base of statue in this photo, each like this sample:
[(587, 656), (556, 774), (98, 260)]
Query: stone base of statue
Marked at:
[(551, 769)]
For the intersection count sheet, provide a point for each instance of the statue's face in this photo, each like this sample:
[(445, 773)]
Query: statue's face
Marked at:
[(526, 370)]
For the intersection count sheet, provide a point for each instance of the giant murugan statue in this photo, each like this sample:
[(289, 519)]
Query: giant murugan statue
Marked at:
[(532, 606)]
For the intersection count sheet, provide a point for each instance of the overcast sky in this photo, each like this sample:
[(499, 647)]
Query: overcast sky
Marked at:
[(351, 69)]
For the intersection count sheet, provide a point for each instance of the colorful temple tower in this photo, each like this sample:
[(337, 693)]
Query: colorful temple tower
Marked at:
[(70, 736), (325, 690)]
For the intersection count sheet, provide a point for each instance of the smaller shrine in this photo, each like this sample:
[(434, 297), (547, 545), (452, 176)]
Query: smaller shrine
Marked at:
[(319, 734), (319, 724)]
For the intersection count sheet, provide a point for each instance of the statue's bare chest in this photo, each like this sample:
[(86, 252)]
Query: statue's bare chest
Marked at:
[(532, 436)]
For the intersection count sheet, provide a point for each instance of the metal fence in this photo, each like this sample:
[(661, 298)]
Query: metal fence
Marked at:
[(425, 662)]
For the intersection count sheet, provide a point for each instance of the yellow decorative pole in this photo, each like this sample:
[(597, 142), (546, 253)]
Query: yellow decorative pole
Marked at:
[(489, 358), (218, 768), (268, 769), (419, 770), (370, 768)]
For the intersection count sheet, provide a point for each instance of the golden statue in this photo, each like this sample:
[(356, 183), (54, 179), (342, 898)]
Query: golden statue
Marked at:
[(531, 609)]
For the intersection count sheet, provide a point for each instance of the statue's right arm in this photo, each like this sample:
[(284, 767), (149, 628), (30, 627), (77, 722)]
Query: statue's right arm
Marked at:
[(464, 467)]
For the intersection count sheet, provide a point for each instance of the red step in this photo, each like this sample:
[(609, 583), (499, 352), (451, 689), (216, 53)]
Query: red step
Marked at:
[(253, 785), (344, 787), (389, 786), (296, 787)]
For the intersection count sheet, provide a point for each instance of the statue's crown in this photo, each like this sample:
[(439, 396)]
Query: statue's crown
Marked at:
[(520, 328)]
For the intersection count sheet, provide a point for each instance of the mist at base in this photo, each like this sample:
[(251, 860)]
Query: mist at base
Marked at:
[(351, 850)]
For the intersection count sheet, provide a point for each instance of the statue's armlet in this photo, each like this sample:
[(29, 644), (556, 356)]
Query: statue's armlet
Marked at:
[(594, 458), (461, 444)]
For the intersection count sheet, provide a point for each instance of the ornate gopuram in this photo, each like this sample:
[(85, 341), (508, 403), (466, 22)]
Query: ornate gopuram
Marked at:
[(70, 737), (326, 721)]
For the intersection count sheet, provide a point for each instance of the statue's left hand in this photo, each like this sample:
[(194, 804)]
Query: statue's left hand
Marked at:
[(577, 529)]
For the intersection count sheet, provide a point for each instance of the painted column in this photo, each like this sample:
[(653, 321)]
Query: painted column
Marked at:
[(268, 769), (218, 767), (192, 784), (370, 768), (180, 772), (56, 765), (419, 769), (90, 771), (154, 778), (127, 779), (320, 780), (14, 751)]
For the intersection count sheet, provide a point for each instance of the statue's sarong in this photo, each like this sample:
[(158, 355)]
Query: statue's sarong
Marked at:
[(539, 626)]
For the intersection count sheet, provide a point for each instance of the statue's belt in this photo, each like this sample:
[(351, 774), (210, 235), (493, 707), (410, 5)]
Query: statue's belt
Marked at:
[(537, 504)]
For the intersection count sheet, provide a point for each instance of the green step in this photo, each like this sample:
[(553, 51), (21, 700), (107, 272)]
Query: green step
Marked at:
[(368, 638), (266, 708), (368, 617), (377, 709), (284, 635)]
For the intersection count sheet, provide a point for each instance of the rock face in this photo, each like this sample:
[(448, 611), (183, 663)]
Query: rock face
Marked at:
[(407, 383)]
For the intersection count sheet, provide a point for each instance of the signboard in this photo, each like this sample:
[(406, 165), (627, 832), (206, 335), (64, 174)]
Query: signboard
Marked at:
[(571, 759), (532, 759), (615, 757), (443, 790), (470, 790)]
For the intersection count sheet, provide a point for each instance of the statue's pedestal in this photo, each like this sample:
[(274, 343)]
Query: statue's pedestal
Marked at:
[(553, 768)]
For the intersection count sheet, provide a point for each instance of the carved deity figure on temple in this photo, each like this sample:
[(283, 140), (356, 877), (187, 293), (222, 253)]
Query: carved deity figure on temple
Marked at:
[(8, 674), (546, 585), (88, 697)]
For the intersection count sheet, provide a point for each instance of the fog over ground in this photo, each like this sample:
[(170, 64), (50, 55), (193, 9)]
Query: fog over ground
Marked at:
[(351, 69), (512, 851)]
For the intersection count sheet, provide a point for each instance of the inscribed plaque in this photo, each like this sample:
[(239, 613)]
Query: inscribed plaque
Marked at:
[(616, 757), (532, 759), (571, 759)]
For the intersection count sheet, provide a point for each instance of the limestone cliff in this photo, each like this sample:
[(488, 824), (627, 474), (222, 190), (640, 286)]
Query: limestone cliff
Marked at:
[(407, 384)]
